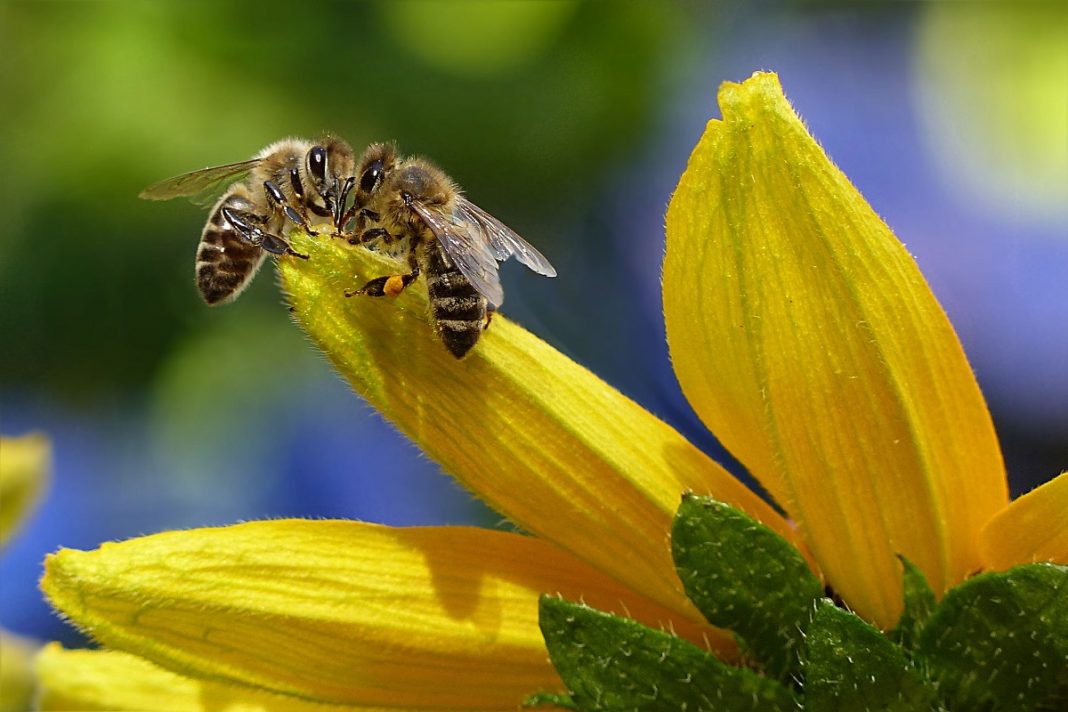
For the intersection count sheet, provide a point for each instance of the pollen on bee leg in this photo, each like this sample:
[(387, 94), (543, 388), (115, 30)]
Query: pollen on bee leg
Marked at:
[(393, 286)]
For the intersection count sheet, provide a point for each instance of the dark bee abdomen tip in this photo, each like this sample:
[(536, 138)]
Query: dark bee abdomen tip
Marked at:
[(458, 350), (215, 297), (459, 342)]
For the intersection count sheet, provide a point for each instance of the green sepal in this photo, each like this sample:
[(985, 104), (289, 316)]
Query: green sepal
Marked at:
[(613, 664), (1000, 640), (550, 699), (919, 603), (849, 666), (744, 577)]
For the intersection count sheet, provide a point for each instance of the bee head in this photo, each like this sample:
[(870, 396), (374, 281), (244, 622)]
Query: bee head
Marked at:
[(316, 167), (377, 161), (327, 164)]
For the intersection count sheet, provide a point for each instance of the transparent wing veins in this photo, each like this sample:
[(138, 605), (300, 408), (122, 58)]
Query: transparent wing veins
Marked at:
[(467, 248), (200, 186), (503, 240)]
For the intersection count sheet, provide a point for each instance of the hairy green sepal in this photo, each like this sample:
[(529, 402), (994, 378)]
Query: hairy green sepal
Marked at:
[(1000, 640), (550, 699), (613, 664), (744, 577), (919, 602), (849, 666)]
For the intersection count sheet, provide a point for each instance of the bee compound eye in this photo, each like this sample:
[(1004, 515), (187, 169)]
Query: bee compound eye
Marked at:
[(370, 178), (317, 163)]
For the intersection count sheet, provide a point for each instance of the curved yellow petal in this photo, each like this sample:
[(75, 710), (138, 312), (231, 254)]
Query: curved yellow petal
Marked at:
[(541, 439), (1033, 528), (24, 466), (807, 340), (334, 611), (117, 682), (16, 672)]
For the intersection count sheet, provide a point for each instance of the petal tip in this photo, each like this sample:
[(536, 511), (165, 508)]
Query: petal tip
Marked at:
[(759, 84), (59, 569)]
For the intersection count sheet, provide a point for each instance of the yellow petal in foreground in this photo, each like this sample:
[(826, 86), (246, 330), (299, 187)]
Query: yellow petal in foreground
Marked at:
[(336, 611), (1033, 528), (118, 682), (16, 672), (541, 439), (807, 340), (24, 466)]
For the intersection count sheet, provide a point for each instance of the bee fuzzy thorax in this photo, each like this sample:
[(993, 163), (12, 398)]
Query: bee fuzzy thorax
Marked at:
[(422, 182), (288, 150)]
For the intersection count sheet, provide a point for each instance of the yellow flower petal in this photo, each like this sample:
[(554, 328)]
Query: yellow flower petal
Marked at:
[(806, 338), (16, 672), (24, 467), (1033, 528), (334, 611), (118, 682), (541, 439)]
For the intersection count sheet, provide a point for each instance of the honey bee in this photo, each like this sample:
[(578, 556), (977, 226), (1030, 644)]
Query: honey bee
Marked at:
[(283, 183), (410, 205)]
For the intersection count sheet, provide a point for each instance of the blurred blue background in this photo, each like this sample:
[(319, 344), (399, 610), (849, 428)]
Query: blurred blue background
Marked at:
[(572, 121)]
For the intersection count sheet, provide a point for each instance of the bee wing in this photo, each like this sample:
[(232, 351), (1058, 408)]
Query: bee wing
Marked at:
[(200, 186), (467, 247), (503, 239)]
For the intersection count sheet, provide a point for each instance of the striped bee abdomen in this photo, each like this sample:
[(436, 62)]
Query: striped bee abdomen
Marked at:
[(456, 308), (226, 262)]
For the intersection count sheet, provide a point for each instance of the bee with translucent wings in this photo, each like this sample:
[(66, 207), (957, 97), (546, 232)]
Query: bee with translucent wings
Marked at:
[(408, 205), (287, 182)]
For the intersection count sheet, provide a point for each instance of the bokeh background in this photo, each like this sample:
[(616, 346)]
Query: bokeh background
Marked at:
[(571, 121)]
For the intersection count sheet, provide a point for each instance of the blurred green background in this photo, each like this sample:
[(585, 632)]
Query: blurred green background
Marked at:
[(569, 120)]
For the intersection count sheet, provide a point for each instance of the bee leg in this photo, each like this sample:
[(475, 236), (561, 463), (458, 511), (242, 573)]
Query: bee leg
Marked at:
[(250, 227), (364, 215), (490, 311), (278, 246), (374, 233), (390, 285), (298, 190), (342, 216), (277, 200)]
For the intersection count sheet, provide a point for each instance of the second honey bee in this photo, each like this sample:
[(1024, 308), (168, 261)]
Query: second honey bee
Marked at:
[(409, 205), (285, 183)]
